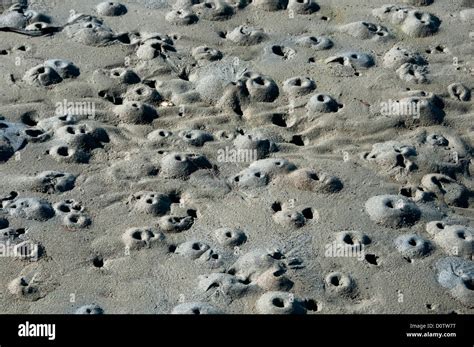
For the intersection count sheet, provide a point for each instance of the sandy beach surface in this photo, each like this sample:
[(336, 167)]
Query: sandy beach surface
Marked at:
[(236, 156)]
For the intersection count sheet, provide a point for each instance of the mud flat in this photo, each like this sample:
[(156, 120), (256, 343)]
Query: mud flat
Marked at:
[(234, 156)]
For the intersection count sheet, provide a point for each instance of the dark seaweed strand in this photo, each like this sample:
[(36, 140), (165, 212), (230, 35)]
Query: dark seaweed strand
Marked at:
[(35, 33)]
